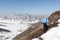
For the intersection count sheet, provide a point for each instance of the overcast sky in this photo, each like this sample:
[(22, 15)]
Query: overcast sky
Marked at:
[(36, 7)]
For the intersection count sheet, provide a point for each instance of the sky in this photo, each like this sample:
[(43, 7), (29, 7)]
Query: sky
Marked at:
[(34, 7)]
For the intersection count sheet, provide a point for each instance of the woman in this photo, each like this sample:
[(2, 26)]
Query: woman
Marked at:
[(45, 22)]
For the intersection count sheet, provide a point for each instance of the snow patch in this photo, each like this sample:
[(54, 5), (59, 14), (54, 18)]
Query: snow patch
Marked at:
[(35, 39), (52, 34)]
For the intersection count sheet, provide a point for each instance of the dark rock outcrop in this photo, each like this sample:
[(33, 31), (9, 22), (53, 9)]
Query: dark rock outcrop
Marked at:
[(4, 30)]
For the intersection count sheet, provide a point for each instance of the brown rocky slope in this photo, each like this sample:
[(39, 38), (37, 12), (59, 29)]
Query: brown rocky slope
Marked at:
[(39, 29)]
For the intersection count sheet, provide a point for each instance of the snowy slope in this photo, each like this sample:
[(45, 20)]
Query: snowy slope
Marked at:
[(15, 30), (52, 34)]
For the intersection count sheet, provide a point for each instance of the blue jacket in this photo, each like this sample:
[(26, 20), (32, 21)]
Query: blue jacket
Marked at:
[(44, 20)]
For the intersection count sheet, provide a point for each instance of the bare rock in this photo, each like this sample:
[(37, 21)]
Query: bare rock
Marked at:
[(54, 17)]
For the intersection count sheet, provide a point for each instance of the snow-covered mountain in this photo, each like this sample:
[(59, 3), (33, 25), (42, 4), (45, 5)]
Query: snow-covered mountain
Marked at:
[(18, 18), (14, 24)]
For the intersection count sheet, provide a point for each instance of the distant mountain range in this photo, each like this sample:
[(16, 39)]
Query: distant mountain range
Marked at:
[(19, 17)]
